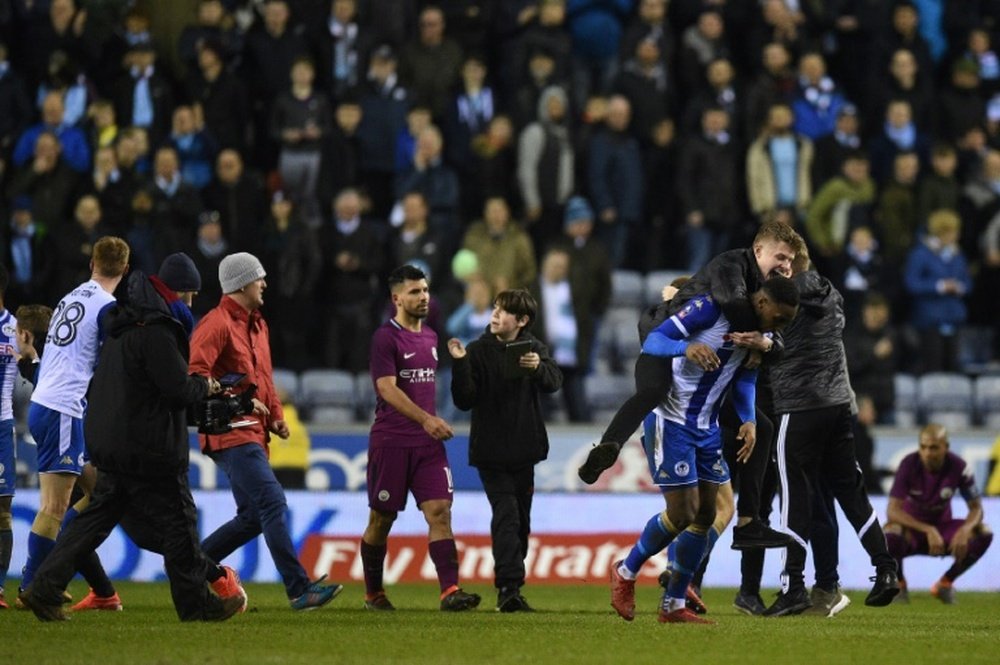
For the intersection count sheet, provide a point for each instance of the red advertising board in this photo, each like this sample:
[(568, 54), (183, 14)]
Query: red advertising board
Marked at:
[(551, 559)]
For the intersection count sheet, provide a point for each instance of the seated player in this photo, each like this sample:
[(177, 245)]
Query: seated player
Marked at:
[(920, 520)]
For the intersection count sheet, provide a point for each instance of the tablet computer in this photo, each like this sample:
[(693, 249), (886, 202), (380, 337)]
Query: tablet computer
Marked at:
[(511, 358)]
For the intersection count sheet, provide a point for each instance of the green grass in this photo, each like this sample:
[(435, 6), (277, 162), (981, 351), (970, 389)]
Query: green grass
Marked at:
[(573, 625)]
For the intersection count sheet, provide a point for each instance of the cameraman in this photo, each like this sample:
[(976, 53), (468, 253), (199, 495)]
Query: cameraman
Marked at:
[(233, 338), (136, 430)]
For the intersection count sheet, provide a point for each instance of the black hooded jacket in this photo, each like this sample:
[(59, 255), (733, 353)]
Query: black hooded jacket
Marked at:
[(508, 431), (813, 371), (136, 421)]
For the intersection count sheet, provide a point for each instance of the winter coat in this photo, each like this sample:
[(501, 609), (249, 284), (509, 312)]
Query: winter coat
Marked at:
[(136, 422), (507, 430), (925, 269), (762, 186)]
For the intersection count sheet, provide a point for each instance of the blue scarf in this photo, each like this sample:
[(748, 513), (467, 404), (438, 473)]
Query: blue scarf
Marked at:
[(183, 314)]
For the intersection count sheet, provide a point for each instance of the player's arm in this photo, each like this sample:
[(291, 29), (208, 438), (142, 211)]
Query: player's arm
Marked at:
[(896, 515), (397, 399), (745, 402), (960, 541), (670, 338)]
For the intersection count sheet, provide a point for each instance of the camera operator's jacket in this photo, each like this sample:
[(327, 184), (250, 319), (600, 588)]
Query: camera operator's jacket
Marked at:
[(136, 420), (507, 430), (229, 339)]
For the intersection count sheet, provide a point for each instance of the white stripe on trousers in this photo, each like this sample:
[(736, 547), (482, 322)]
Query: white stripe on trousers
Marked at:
[(783, 480)]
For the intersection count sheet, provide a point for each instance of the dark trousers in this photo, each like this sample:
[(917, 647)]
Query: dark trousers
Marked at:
[(818, 446), (509, 494), (748, 478), (165, 505)]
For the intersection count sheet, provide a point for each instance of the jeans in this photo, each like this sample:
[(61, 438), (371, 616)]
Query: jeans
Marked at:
[(260, 508)]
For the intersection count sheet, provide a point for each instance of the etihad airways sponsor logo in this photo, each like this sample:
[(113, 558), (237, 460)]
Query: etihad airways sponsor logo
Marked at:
[(422, 375)]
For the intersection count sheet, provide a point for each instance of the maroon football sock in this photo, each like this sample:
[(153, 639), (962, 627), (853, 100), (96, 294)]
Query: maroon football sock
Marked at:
[(444, 554), (372, 561)]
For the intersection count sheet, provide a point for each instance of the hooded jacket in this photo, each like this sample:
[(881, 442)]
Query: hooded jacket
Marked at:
[(812, 374), (508, 431), (136, 422)]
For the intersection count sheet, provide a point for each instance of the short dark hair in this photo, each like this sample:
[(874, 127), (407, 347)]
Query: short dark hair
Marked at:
[(518, 302), (34, 318), (782, 291), (405, 273)]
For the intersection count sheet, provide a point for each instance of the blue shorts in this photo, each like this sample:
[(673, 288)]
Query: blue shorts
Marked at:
[(59, 438), (680, 456), (8, 458), (422, 470)]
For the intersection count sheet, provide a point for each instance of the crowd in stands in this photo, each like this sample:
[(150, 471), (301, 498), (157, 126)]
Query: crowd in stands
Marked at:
[(543, 144)]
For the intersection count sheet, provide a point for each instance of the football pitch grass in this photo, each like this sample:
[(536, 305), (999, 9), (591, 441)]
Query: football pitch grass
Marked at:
[(573, 624)]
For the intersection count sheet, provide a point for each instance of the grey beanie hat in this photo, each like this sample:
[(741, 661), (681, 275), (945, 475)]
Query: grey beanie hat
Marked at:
[(238, 270)]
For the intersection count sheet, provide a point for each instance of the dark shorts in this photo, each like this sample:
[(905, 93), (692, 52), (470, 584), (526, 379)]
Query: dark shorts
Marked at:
[(392, 472), (947, 529)]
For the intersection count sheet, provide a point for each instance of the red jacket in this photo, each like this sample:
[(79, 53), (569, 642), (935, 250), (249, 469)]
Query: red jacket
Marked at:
[(230, 339)]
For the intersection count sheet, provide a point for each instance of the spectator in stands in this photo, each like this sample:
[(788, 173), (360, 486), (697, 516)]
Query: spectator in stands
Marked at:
[(937, 279), (352, 259), (920, 519), (960, 106), (980, 201), (545, 169), (28, 250), (832, 149), (983, 309), (862, 269), (650, 24), (708, 186), (195, 148), (701, 43), (899, 134), (133, 28), (269, 51), (981, 51), (939, 187), (664, 243), (596, 29), (505, 252), (241, 200), (828, 219), (545, 34), (302, 119), (540, 75), (341, 166), (775, 83), (496, 161), (102, 124), (73, 245), (818, 99), (383, 115), (290, 248), (143, 96), (66, 28), (469, 320), (469, 114), (213, 24), (719, 90), (896, 221), (873, 353), (907, 83), (114, 189), (415, 243), (48, 181), (220, 97), (616, 182), (341, 47), (15, 108), (430, 63), (903, 34), (176, 206), (418, 118), (389, 21), (429, 175), (643, 72), (209, 248), (779, 167), (74, 147)]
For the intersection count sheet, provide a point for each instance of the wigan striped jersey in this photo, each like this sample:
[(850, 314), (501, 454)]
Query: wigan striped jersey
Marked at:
[(71, 348), (8, 363)]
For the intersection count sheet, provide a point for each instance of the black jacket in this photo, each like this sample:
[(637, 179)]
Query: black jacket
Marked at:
[(136, 422), (508, 431), (813, 372)]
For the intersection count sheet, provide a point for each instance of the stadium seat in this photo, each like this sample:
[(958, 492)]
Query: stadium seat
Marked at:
[(987, 401), (906, 400), (364, 393), (946, 398), (606, 393), (327, 393), (288, 381), (627, 289), (655, 281)]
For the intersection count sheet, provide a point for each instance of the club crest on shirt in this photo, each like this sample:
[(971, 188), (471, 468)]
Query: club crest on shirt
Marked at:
[(947, 492)]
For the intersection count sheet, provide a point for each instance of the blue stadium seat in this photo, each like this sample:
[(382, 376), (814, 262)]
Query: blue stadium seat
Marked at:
[(906, 400), (606, 393), (627, 289), (328, 395), (288, 381), (987, 400), (656, 280), (364, 393), (946, 398)]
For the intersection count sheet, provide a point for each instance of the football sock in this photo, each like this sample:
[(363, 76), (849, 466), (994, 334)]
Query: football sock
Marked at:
[(699, 575), (372, 561), (898, 547), (6, 547), (41, 540), (444, 554), (977, 548), (658, 533), (691, 546)]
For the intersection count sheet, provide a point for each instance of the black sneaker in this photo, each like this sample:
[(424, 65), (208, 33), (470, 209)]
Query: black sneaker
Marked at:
[(886, 588), (787, 604), (226, 608), (755, 535), (43, 611), (749, 604), (378, 603), (509, 599), (601, 457), (459, 601)]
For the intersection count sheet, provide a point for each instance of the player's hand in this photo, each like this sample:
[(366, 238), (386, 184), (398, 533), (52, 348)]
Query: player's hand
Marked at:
[(960, 544), (280, 427), (260, 409), (456, 348), (935, 543), (748, 435), (438, 428), (752, 340), (703, 356)]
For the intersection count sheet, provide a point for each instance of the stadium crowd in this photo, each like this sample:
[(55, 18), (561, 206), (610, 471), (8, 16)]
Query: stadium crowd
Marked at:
[(541, 144)]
